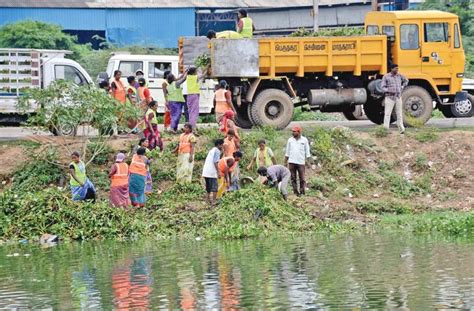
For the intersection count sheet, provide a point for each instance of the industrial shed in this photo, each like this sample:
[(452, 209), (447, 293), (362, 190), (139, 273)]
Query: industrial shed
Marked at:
[(160, 23)]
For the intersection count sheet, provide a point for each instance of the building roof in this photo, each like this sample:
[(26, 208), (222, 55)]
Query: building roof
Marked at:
[(170, 3)]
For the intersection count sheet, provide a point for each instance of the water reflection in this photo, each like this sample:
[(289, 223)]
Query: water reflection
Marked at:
[(319, 272), (131, 284)]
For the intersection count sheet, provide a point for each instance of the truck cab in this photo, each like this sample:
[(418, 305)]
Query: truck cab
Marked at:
[(23, 69), (64, 69), (153, 67), (427, 46)]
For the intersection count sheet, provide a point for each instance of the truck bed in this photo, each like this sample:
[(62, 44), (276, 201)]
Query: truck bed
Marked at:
[(280, 56)]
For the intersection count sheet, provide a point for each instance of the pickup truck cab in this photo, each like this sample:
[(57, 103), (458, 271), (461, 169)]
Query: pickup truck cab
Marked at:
[(22, 69), (153, 67)]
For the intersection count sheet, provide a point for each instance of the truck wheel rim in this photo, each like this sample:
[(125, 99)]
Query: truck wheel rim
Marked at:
[(273, 109), (67, 129), (415, 106), (463, 107)]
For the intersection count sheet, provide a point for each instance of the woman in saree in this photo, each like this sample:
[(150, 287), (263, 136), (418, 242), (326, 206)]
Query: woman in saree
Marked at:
[(185, 150), (138, 171), (119, 194), (81, 187), (151, 131)]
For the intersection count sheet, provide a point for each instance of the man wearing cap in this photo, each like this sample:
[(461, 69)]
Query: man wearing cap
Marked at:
[(297, 151)]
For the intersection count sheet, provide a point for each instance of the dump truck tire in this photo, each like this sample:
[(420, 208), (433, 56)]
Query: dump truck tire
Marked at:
[(352, 113), (446, 111), (374, 110), (242, 118), (417, 105), (272, 107), (464, 109)]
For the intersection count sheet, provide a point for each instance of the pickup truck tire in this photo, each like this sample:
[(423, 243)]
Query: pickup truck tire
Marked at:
[(417, 105), (63, 130), (272, 107), (464, 109)]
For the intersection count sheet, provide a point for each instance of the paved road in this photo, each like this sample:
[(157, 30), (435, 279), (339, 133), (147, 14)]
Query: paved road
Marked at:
[(15, 133)]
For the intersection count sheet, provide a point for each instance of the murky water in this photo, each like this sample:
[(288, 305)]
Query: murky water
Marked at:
[(315, 272)]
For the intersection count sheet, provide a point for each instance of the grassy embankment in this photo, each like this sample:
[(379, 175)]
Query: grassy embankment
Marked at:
[(359, 181)]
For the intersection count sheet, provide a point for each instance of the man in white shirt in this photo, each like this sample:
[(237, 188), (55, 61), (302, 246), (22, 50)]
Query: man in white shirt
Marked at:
[(210, 171), (297, 151)]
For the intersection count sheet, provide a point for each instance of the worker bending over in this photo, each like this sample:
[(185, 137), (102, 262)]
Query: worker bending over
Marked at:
[(276, 176)]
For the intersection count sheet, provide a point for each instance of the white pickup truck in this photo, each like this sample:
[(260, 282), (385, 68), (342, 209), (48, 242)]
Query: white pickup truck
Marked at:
[(153, 67), (22, 69)]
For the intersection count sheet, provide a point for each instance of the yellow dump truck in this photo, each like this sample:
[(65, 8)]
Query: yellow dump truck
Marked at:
[(270, 76)]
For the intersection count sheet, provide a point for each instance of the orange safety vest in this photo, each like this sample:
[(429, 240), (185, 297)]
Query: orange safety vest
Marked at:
[(184, 143), (121, 176), (223, 164), (221, 101), (137, 166), (119, 93), (141, 93)]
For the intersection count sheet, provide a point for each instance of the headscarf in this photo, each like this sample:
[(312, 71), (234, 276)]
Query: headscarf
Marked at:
[(120, 158), (229, 114), (296, 128)]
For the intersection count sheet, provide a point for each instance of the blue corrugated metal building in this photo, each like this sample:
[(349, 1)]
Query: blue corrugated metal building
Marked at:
[(160, 27), (160, 23)]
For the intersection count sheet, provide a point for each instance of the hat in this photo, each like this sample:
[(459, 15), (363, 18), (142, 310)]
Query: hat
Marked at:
[(296, 128), (139, 70), (120, 157)]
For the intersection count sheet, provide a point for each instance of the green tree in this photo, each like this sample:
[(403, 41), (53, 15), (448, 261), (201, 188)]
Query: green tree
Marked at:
[(38, 35), (64, 107)]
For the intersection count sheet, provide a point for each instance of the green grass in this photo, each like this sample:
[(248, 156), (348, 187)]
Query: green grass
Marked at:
[(35, 204), (452, 223)]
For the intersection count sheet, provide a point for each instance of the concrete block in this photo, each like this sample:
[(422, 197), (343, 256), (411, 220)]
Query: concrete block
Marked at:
[(235, 58)]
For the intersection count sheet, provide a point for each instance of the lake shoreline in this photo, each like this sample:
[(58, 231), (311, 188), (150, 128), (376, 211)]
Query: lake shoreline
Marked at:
[(359, 181)]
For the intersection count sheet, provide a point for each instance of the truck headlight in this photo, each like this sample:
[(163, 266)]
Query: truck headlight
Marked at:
[(460, 75)]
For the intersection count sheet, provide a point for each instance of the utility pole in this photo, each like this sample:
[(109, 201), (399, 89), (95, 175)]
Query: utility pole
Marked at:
[(375, 5), (315, 15)]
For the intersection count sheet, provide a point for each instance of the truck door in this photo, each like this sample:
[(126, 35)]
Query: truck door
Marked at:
[(409, 52), (155, 79), (436, 54), (69, 73)]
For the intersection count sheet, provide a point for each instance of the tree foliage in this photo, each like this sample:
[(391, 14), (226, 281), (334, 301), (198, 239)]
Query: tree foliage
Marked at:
[(65, 105), (30, 34), (341, 31)]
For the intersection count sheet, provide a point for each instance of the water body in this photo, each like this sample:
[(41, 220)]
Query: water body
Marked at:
[(378, 271)]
